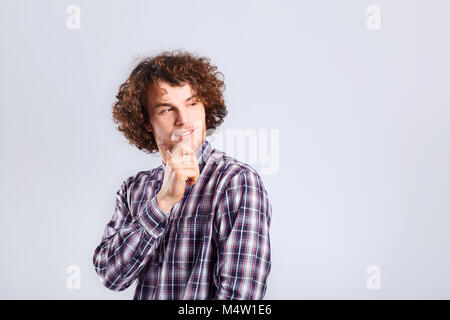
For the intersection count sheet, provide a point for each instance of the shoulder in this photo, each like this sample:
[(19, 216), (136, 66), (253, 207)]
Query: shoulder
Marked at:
[(241, 188), (142, 178), (233, 171)]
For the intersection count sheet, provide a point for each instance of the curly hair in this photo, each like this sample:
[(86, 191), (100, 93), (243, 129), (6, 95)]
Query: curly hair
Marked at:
[(176, 68)]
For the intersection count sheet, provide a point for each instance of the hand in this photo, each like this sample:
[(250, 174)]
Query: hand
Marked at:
[(181, 166)]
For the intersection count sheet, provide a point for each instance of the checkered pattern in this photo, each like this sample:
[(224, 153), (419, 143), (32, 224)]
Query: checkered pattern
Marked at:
[(214, 244)]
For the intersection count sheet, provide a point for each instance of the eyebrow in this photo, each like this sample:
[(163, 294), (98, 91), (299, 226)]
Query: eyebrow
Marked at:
[(168, 104)]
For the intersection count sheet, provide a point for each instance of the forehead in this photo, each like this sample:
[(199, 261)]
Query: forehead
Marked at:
[(163, 92)]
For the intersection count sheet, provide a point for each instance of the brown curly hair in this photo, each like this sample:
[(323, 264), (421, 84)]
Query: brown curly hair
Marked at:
[(176, 68)]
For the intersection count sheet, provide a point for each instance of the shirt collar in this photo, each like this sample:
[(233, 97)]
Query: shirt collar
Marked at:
[(202, 155)]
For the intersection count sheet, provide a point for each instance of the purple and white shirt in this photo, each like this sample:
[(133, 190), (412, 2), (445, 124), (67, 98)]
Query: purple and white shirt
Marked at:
[(214, 243)]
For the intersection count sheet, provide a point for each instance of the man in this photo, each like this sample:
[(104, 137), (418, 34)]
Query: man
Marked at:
[(196, 227)]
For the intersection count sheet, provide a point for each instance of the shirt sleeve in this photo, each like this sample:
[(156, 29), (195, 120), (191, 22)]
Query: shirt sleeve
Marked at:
[(243, 262), (129, 241)]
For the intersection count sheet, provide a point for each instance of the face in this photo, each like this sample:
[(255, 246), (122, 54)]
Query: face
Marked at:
[(173, 112)]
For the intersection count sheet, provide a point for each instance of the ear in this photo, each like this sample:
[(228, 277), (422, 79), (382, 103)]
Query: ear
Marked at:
[(148, 127)]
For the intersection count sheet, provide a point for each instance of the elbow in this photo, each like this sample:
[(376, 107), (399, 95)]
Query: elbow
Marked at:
[(111, 279), (117, 286), (113, 283)]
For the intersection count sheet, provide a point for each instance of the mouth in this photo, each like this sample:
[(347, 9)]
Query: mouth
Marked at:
[(185, 134)]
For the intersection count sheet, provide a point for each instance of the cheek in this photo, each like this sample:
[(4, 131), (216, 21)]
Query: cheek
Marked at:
[(161, 132), (200, 118), (201, 115)]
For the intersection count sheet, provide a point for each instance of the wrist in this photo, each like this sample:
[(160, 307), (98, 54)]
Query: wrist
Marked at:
[(164, 203)]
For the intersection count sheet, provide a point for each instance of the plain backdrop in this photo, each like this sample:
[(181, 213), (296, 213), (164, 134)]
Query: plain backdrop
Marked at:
[(363, 153)]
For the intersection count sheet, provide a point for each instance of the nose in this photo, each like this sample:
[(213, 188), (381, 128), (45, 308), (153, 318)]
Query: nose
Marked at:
[(182, 117)]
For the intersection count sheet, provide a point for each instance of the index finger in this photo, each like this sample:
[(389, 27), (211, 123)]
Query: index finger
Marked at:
[(181, 149)]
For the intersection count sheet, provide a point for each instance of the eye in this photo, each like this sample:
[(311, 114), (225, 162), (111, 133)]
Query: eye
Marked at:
[(193, 104), (164, 111)]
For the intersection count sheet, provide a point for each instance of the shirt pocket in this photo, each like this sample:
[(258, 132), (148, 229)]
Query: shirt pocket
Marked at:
[(187, 239)]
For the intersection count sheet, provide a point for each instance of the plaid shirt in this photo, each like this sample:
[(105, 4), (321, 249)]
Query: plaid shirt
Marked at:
[(214, 243)]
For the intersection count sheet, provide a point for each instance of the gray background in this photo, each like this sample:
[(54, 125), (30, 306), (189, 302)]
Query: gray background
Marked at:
[(364, 176)]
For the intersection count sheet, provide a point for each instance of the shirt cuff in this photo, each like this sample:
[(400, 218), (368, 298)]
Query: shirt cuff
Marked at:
[(152, 218)]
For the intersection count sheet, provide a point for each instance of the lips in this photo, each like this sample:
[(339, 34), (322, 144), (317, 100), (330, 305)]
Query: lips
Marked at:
[(184, 132)]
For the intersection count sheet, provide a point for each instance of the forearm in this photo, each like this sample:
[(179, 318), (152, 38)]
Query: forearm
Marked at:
[(121, 255), (244, 276)]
